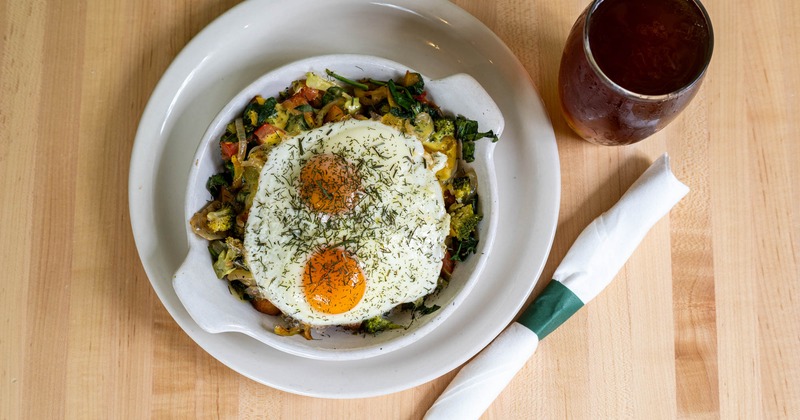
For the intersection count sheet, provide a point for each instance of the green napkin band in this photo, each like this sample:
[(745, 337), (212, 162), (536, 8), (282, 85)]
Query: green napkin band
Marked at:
[(550, 309)]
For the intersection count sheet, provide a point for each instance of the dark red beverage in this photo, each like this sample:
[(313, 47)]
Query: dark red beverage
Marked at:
[(630, 66)]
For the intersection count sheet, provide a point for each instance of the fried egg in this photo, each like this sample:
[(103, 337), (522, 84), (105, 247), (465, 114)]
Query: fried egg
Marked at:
[(348, 222)]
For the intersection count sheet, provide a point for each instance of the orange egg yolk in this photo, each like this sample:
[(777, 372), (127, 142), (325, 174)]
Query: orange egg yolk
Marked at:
[(332, 281), (329, 184)]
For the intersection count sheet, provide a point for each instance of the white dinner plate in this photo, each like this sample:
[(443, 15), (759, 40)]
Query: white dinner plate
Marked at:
[(434, 37)]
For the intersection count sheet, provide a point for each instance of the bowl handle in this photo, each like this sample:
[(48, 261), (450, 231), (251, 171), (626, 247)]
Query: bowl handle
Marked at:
[(201, 299), (470, 98)]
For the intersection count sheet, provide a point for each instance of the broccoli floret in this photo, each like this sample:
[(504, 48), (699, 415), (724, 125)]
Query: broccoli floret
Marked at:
[(220, 220), (227, 254), (224, 263), (462, 189), (442, 128), (463, 221), (378, 324)]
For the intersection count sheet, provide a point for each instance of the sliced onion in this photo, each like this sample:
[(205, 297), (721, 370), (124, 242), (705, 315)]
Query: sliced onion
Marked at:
[(199, 222), (242, 136)]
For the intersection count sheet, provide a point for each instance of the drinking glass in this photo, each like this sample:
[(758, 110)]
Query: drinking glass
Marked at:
[(630, 66)]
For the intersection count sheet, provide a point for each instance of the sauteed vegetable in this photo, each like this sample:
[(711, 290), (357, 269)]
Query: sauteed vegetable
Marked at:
[(311, 103)]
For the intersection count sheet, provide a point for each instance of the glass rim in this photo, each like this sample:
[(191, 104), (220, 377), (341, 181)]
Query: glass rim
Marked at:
[(626, 92)]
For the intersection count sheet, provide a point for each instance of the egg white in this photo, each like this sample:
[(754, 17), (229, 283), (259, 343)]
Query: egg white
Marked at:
[(396, 230)]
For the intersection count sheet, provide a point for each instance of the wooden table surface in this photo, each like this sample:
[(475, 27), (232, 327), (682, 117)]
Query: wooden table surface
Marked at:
[(703, 321)]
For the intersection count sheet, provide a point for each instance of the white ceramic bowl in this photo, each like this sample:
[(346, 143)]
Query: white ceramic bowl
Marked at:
[(208, 300)]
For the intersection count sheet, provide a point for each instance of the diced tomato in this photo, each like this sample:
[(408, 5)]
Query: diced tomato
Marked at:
[(228, 149), (309, 93), (447, 264), (422, 97), (295, 101), (304, 96), (265, 130), (449, 198)]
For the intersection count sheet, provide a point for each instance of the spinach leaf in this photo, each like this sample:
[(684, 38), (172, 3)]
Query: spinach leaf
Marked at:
[(467, 132), (401, 96), (332, 94), (261, 112), (228, 166), (463, 249), (216, 182), (468, 151), (418, 87), (267, 110), (425, 310)]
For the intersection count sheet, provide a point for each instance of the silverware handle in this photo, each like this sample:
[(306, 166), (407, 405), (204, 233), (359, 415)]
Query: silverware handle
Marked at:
[(481, 380)]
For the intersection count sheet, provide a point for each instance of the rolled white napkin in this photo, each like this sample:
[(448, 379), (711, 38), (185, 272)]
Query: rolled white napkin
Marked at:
[(589, 266)]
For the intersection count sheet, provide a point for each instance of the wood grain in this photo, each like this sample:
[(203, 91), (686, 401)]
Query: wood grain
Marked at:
[(702, 322)]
